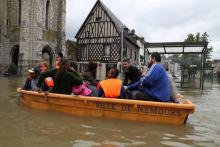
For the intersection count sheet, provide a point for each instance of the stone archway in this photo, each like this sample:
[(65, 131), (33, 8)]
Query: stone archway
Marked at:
[(48, 55), (13, 59), (14, 55)]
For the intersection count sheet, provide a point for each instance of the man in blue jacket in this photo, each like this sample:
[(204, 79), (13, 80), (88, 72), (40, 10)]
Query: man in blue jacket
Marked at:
[(154, 86)]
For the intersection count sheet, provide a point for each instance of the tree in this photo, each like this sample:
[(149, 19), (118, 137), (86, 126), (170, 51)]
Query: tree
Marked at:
[(201, 38), (195, 58)]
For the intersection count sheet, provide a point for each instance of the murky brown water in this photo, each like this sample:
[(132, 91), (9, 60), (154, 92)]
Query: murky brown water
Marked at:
[(24, 127)]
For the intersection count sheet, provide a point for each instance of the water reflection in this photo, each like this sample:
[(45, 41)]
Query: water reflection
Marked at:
[(23, 127)]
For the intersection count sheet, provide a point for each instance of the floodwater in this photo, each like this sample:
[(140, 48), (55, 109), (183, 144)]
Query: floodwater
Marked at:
[(21, 126)]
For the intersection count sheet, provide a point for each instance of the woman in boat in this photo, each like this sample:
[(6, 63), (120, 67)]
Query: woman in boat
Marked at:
[(89, 76), (48, 82), (143, 70), (112, 87), (59, 59), (63, 80)]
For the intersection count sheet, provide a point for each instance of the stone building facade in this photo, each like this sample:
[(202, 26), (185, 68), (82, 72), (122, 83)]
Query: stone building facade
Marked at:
[(29, 31)]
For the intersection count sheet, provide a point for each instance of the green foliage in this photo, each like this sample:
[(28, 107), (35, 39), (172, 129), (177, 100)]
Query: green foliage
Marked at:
[(201, 38), (195, 59), (12, 68)]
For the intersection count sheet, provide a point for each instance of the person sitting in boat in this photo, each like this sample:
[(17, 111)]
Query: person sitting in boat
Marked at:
[(143, 70), (63, 80), (154, 86), (132, 74), (112, 87), (59, 59), (89, 76), (174, 94), (31, 81), (48, 82), (79, 89)]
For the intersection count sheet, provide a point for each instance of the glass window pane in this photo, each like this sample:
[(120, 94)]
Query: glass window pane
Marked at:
[(107, 50), (174, 49), (193, 49), (156, 49)]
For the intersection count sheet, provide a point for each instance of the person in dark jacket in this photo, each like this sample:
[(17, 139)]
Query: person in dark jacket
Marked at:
[(132, 74), (155, 85), (63, 80)]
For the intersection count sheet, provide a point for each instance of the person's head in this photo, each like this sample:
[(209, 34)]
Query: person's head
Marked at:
[(154, 58), (142, 70), (64, 65), (113, 73), (33, 73), (92, 67), (126, 63), (166, 67), (73, 66), (59, 57), (43, 66)]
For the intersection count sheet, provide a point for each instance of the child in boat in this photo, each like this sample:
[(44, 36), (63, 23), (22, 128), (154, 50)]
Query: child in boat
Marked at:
[(63, 80), (80, 89), (112, 87), (89, 76), (31, 82), (48, 82)]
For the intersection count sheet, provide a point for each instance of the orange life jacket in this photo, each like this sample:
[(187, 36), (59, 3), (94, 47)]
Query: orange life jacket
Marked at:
[(49, 81), (111, 87)]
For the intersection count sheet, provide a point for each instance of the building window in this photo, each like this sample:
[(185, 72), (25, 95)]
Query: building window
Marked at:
[(107, 50), (47, 15), (135, 56), (84, 52)]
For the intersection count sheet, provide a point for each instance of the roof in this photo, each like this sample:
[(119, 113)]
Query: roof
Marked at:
[(177, 47), (118, 24)]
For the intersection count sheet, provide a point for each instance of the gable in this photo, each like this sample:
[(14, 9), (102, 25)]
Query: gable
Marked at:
[(98, 24)]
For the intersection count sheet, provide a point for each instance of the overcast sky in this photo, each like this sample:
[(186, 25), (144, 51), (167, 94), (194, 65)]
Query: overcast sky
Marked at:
[(156, 20)]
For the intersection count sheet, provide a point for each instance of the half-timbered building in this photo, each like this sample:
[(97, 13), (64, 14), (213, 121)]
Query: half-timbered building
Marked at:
[(103, 38)]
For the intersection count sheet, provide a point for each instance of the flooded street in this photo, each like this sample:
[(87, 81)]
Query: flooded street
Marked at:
[(25, 127)]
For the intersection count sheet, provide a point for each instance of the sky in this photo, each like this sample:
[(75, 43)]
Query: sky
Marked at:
[(156, 20)]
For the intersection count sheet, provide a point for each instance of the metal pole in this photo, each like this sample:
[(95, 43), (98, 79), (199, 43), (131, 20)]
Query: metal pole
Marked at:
[(202, 71), (122, 47), (201, 68)]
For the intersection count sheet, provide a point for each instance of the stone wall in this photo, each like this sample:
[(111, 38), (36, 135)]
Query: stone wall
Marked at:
[(30, 32)]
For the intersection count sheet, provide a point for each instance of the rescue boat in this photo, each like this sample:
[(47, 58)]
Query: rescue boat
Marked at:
[(134, 110)]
